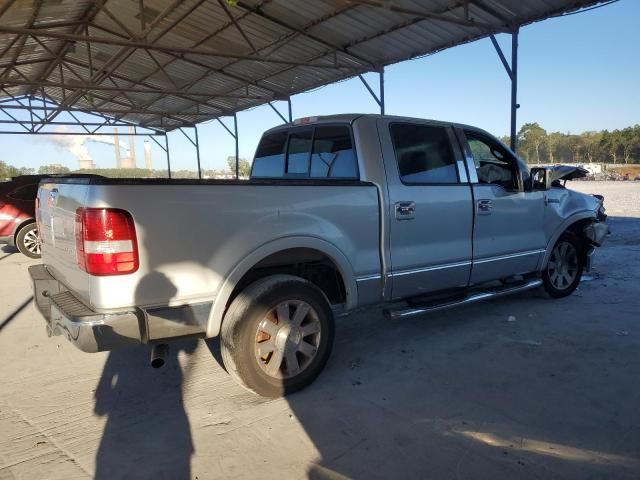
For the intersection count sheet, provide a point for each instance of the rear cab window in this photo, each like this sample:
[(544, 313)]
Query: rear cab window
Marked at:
[(320, 152), (269, 159), (423, 153)]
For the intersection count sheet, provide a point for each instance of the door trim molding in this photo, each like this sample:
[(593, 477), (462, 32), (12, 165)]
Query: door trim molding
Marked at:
[(413, 271), (509, 256), (366, 278)]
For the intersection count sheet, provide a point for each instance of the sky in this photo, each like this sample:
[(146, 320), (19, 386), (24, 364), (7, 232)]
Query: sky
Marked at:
[(576, 73)]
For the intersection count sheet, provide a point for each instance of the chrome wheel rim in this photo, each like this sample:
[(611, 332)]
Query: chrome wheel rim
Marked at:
[(287, 339), (31, 242), (563, 265)]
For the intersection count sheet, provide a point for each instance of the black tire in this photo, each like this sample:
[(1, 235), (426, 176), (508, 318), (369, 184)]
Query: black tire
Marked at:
[(241, 332), (561, 276), (26, 243)]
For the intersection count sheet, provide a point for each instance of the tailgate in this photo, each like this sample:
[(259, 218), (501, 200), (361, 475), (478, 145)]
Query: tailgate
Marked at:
[(58, 202)]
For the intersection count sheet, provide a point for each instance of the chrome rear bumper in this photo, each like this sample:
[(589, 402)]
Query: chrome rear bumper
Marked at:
[(88, 330), (92, 331)]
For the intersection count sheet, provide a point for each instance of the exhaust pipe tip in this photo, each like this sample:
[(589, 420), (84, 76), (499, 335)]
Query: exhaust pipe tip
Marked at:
[(158, 355)]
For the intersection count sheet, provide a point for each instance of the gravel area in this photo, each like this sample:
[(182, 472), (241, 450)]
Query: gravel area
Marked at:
[(621, 199)]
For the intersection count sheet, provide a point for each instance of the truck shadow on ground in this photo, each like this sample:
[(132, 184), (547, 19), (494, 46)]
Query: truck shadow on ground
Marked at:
[(147, 434)]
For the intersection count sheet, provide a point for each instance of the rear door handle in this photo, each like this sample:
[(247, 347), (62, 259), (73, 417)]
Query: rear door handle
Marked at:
[(484, 207), (405, 210)]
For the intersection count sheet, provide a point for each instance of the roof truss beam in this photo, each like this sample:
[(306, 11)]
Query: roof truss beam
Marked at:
[(117, 88), (137, 44), (425, 15)]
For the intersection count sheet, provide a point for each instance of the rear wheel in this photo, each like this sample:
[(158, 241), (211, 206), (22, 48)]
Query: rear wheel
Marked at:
[(277, 335), (564, 269), (28, 241)]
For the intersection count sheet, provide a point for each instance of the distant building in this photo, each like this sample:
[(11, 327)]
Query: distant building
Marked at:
[(592, 168), (85, 164)]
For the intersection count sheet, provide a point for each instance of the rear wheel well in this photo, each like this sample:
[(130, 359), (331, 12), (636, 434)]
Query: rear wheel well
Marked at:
[(307, 263)]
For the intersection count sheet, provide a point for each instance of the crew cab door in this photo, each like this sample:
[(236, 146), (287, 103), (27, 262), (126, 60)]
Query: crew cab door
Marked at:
[(430, 208), (508, 236)]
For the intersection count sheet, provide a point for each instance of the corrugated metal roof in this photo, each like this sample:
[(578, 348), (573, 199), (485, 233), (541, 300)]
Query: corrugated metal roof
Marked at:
[(181, 62)]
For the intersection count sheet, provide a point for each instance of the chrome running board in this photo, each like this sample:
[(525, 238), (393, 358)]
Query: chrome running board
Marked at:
[(409, 312)]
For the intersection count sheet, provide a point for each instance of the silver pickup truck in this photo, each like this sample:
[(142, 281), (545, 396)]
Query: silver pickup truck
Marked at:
[(341, 212)]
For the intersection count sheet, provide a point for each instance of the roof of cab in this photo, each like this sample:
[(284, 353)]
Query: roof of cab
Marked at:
[(352, 117)]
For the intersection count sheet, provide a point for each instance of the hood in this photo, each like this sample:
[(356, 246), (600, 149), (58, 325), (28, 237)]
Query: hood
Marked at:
[(567, 172)]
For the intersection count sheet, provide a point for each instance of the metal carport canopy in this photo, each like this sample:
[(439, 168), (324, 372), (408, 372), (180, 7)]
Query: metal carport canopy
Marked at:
[(169, 64)]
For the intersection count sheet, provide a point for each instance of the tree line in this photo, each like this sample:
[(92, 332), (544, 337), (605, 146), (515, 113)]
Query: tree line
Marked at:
[(9, 171), (535, 145)]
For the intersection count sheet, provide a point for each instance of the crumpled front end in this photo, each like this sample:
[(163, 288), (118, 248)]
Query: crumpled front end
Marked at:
[(595, 231)]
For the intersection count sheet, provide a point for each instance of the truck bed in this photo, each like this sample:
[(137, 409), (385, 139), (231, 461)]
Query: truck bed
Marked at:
[(192, 234)]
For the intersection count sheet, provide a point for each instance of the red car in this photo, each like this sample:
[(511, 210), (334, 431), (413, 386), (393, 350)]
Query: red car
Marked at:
[(17, 214)]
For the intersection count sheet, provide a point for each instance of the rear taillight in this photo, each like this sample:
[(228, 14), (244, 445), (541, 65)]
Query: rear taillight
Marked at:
[(106, 241)]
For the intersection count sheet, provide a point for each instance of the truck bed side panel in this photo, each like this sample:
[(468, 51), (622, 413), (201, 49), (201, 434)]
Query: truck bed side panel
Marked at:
[(190, 237)]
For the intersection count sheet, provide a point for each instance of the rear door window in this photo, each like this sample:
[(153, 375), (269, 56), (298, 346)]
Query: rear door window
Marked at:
[(269, 160), (320, 152), (333, 155), (423, 153)]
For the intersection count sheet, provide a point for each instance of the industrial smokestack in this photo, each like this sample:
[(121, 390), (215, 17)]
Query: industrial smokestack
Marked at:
[(116, 142), (147, 155), (132, 148)]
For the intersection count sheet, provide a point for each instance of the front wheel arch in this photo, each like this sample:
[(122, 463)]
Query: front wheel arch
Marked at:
[(571, 224)]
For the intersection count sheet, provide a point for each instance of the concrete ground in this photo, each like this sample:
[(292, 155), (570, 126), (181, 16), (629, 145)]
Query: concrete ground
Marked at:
[(523, 387)]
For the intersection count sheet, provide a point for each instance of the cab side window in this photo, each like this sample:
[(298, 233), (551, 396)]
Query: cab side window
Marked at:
[(423, 153), (494, 164), (322, 152)]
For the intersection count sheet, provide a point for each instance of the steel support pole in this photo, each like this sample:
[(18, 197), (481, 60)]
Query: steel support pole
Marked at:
[(31, 114), (166, 149), (290, 111), (382, 92), (514, 87), (198, 152), (235, 129)]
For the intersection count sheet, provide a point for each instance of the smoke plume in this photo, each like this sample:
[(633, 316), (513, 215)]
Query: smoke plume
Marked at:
[(77, 144)]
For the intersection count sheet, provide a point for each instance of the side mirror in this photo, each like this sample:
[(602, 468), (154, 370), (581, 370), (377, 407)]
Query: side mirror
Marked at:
[(540, 178)]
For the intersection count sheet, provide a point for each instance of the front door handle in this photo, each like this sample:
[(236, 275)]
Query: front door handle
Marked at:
[(484, 207), (405, 210)]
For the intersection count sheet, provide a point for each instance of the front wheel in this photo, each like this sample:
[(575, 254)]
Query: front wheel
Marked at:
[(277, 335), (28, 241), (564, 269)]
